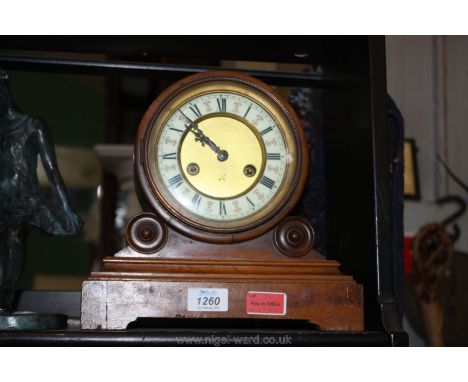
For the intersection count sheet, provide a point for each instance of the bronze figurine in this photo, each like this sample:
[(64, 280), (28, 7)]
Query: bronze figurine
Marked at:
[(22, 204)]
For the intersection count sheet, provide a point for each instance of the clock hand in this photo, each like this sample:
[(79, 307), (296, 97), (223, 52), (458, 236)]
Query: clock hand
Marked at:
[(200, 136)]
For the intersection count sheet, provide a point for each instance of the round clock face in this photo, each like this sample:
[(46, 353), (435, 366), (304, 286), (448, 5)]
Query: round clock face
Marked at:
[(221, 156)]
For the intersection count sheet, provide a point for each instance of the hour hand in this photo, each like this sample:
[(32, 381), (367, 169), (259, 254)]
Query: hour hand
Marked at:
[(202, 138), (199, 136)]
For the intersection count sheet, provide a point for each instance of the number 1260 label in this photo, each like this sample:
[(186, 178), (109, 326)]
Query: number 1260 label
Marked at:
[(207, 300)]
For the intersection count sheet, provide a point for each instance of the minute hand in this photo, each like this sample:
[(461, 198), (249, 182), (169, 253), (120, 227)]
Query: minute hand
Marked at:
[(200, 136)]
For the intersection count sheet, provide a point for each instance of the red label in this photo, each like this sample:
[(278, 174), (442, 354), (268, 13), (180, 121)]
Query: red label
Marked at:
[(265, 303)]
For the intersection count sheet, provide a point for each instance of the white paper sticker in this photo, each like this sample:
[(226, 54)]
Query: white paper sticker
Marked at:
[(207, 300)]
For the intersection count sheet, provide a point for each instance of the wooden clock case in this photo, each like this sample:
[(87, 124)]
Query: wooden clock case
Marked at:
[(166, 256)]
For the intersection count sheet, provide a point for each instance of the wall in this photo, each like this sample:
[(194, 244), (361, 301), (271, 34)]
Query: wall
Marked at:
[(427, 76)]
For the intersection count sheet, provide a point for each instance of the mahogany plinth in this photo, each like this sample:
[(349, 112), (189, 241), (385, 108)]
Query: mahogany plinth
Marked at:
[(134, 284), (128, 289)]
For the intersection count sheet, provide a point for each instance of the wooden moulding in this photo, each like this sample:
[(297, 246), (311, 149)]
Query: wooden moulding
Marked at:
[(128, 289), (137, 283), (178, 247)]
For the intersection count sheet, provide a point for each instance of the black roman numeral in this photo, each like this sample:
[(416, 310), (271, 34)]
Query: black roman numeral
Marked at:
[(267, 182), (170, 156), (196, 200), (222, 208), (273, 156), (267, 130), (221, 104), (176, 181), (247, 112), (250, 202), (178, 130), (195, 110)]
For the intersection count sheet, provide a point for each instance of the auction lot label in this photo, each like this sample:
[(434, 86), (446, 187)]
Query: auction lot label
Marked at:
[(207, 300)]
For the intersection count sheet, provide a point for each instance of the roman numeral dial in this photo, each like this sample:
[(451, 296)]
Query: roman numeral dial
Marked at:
[(170, 156), (200, 185), (195, 110), (222, 102), (175, 181)]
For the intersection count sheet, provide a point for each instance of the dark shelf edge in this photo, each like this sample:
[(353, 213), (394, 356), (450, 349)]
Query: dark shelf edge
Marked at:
[(271, 48), (96, 67), (185, 337)]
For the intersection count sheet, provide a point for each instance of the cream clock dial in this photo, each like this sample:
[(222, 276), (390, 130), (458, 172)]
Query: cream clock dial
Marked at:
[(221, 154), (200, 178)]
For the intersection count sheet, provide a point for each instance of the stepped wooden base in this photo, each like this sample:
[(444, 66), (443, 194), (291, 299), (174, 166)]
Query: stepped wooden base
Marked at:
[(128, 289)]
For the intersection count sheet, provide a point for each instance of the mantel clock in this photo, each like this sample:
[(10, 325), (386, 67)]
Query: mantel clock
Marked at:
[(220, 159)]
